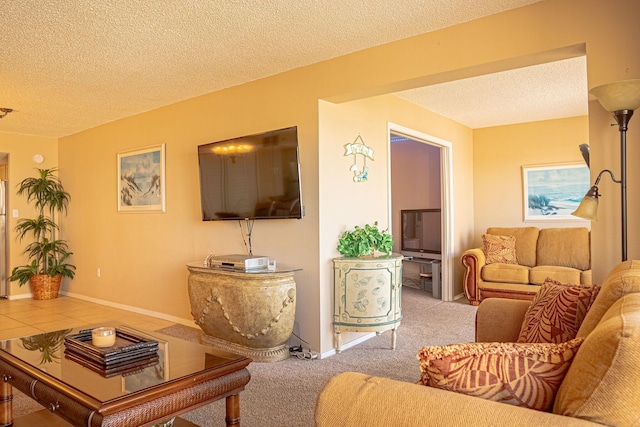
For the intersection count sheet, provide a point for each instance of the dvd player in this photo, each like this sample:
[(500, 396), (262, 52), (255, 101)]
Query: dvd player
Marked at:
[(238, 262)]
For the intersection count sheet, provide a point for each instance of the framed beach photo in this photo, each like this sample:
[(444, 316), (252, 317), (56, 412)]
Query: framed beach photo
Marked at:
[(552, 192), (141, 180)]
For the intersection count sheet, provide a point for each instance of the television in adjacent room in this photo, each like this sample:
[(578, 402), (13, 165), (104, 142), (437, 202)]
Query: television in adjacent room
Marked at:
[(251, 177), (421, 233)]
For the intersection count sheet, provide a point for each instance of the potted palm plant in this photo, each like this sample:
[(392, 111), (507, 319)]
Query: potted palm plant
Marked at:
[(47, 344), (48, 256)]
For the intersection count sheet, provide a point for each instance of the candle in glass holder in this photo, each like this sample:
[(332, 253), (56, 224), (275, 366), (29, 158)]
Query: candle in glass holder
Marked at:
[(103, 337)]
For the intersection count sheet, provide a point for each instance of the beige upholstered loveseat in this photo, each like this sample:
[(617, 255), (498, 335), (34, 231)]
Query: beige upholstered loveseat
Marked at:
[(599, 388), (562, 254)]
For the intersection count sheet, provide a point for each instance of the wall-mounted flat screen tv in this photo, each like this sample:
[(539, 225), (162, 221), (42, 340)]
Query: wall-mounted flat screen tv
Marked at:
[(421, 232), (251, 177)]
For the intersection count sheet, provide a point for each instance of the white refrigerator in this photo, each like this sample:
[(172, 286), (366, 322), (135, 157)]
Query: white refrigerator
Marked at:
[(4, 250)]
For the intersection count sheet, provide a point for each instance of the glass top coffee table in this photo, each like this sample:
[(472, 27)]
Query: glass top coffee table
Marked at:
[(183, 376)]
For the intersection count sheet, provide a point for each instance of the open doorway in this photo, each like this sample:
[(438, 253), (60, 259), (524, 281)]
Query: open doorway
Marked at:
[(420, 187)]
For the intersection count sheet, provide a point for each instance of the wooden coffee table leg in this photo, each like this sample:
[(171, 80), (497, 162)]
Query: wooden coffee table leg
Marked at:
[(233, 410), (6, 403)]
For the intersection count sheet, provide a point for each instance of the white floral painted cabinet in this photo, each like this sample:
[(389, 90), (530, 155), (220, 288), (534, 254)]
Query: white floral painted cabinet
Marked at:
[(367, 295)]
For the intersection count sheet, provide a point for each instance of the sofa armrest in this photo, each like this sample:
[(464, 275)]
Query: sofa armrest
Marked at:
[(500, 319), (352, 399), (473, 260)]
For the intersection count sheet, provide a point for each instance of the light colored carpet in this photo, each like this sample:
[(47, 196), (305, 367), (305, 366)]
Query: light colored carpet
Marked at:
[(284, 393)]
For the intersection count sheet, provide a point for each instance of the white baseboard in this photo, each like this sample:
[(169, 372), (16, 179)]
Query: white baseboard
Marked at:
[(348, 345), (138, 310), (21, 296)]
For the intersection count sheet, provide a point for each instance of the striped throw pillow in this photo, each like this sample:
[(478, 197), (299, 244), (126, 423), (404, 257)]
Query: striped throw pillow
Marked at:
[(556, 312), (519, 374)]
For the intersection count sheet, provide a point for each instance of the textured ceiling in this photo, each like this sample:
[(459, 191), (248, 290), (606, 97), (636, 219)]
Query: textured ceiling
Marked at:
[(69, 65), (542, 92)]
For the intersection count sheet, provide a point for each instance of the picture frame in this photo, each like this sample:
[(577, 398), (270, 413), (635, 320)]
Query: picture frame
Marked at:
[(552, 192), (141, 180)]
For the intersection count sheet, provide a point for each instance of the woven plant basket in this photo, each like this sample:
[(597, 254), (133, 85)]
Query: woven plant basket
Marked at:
[(44, 286)]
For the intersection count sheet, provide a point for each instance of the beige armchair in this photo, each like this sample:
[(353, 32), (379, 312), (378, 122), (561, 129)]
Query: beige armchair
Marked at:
[(599, 388)]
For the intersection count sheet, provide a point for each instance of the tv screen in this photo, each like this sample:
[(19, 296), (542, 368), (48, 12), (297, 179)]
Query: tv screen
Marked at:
[(421, 232), (251, 177)]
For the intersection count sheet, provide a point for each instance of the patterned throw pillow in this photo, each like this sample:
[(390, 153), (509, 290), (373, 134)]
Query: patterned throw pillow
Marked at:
[(556, 312), (527, 375), (500, 249)]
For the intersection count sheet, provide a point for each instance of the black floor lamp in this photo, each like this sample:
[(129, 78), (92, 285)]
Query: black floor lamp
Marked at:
[(621, 99)]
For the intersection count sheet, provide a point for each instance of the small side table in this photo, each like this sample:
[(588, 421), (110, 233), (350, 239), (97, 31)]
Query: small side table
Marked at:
[(367, 295)]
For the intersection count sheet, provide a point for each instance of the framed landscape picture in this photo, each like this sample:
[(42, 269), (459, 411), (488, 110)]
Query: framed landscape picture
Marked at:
[(552, 192), (141, 180)]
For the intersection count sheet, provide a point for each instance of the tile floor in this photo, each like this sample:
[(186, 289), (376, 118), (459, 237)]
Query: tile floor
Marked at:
[(24, 317)]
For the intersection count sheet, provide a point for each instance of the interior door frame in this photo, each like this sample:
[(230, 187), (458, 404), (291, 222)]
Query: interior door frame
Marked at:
[(446, 194)]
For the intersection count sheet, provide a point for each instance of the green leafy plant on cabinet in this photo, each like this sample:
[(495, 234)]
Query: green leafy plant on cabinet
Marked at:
[(362, 241)]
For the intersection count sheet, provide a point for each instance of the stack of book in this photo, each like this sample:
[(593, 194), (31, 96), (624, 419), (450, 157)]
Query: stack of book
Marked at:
[(130, 353)]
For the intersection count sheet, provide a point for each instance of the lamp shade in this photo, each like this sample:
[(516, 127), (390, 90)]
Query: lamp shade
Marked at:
[(588, 207), (621, 95)]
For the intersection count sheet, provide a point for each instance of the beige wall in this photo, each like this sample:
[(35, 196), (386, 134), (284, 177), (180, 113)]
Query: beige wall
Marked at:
[(142, 256), (500, 152), (605, 31), (21, 149), (345, 203)]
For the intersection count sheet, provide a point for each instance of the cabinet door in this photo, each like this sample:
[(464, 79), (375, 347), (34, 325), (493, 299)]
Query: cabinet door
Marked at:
[(366, 294)]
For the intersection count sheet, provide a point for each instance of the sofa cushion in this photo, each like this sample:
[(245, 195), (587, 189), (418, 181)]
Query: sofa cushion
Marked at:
[(506, 273), (586, 277), (562, 274), (526, 242), (499, 319), (602, 383), (623, 279), (499, 249), (556, 312), (564, 247), (352, 399), (519, 374)]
